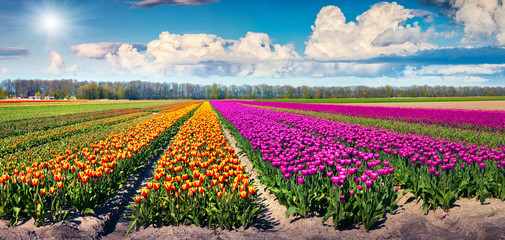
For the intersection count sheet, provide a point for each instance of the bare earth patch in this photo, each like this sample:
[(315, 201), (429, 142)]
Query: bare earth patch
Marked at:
[(474, 105)]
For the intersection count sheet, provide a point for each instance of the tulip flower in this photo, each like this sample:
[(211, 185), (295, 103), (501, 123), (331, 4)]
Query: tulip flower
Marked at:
[(143, 192)]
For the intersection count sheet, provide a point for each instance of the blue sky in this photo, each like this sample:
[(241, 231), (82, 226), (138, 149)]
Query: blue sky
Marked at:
[(315, 43)]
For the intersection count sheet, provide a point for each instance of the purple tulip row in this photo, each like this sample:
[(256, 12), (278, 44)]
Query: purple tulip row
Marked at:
[(295, 143), (491, 121), (298, 153)]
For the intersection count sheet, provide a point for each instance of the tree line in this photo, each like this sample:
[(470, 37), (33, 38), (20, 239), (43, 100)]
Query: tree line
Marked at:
[(135, 90)]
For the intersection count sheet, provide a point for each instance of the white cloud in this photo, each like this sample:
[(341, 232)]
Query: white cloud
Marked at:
[(335, 48), (99, 50), (252, 55), (481, 19), (379, 31), (4, 71), (57, 65)]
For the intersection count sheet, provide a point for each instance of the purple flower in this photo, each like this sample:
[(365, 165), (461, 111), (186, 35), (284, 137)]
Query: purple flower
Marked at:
[(369, 182), (300, 180)]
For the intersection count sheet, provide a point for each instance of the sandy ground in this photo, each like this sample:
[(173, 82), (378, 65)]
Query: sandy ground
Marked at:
[(474, 105), (467, 219)]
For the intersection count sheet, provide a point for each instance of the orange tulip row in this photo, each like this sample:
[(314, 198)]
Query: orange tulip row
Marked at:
[(21, 142), (198, 169), (89, 175), (200, 155), (20, 159)]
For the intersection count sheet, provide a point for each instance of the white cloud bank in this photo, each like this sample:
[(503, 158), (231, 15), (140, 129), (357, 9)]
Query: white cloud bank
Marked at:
[(336, 47), (481, 19), (57, 65), (379, 31)]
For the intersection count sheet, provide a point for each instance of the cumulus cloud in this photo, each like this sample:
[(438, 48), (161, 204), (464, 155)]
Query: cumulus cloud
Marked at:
[(154, 3), (378, 43), (379, 31), (10, 52), (254, 54), (482, 19), (99, 50), (57, 65)]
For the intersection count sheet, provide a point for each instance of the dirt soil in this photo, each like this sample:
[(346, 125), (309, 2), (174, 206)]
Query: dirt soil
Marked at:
[(474, 105), (467, 219)]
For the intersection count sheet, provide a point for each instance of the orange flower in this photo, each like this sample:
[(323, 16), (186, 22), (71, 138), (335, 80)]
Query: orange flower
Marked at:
[(59, 184), (251, 190), (58, 177), (35, 182), (43, 191), (144, 192), (137, 198), (219, 194), (85, 179), (243, 194), (149, 185), (168, 178), (51, 190)]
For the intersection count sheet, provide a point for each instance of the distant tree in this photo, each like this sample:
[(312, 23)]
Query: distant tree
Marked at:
[(3, 93), (119, 91), (306, 92), (389, 92)]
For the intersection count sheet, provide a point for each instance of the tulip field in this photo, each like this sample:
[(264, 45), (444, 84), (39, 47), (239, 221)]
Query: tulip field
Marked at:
[(352, 173), (349, 165)]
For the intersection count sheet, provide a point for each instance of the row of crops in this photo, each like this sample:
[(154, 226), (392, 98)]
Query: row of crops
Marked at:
[(346, 164), (352, 173), (51, 182)]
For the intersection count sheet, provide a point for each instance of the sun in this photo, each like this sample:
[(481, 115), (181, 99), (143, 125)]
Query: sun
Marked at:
[(52, 23), (55, 20)]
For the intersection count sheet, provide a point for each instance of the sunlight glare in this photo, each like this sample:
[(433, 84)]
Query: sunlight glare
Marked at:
[(52, 23)]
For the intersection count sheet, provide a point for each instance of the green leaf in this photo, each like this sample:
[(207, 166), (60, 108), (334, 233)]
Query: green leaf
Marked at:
[(88, 211), (131, 227), (328, 215), (292, 210), (196, 220)]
